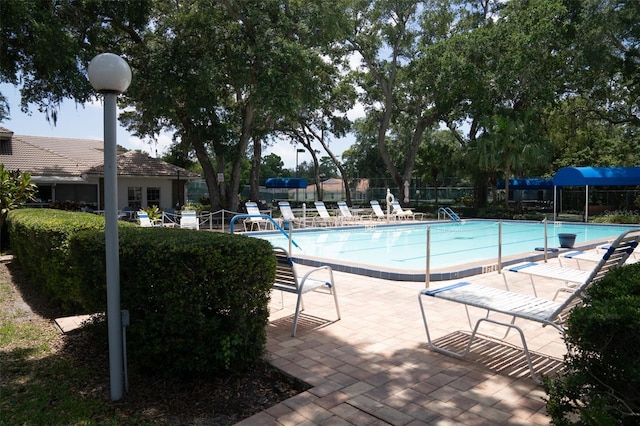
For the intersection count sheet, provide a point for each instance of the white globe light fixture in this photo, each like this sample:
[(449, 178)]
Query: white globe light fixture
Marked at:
[(110, 75)]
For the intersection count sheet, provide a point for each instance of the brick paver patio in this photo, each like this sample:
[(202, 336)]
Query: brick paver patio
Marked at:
[(374, 367)]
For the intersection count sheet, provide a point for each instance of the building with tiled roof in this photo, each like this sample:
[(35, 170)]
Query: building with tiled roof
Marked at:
[(73, 170)]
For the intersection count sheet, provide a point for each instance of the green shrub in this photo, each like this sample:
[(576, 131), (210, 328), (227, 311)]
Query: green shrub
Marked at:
[(198, 301), (154, 213), (40, 242), (617, 218), (601, 381), (529, 216)]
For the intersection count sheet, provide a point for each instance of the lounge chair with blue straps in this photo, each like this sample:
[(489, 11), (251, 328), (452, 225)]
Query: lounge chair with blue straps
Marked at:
[(588, 257), (572, 277), (400, 213), (288, 216), (256, 221), (323, 218), (523, 306), (189, 220), (378, 213), (145, 221), (347, 218)]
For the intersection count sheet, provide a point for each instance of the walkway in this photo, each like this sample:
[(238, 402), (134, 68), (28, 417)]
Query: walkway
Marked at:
[(373, 367)]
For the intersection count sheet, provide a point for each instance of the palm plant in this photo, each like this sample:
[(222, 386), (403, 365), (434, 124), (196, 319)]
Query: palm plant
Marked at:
[(16, 189)]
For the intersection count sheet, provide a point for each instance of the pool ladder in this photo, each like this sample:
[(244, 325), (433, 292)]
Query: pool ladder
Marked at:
[(446, 211)]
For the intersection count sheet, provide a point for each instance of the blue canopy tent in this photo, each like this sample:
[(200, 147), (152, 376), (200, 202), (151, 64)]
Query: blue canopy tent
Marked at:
[(286, 183), (594, 176), (290, 183), (525, 187), (526, 184)]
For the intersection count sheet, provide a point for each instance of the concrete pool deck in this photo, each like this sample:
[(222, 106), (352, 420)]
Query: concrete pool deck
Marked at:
[(374, 366)]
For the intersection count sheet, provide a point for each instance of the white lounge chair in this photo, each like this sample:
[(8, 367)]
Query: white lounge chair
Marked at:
[(604, 247), (287, 213), (258, 222), (323, 218), (143, 219), (589, 257), (287, 280), (399, 212), (571, 276), (523, 306), (378, 213), (189, 220), (347, 217)]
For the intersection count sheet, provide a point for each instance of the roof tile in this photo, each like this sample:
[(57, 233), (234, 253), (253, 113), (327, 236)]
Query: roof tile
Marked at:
[(49, 156)]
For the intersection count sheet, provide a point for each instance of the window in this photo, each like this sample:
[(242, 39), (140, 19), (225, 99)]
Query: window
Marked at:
[(153, 197), (134, 198), (45, 194), (5, 147)]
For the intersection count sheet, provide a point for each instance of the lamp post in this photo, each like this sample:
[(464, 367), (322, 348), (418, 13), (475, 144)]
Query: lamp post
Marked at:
[(110, 75), (298, 150)]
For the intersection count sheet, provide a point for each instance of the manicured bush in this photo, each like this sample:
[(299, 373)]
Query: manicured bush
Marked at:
[(40, 242), (601, 381), (617, 218), (198, 301)]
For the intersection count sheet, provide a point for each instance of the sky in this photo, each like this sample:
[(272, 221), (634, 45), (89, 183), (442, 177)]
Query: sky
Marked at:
[(86, 122)]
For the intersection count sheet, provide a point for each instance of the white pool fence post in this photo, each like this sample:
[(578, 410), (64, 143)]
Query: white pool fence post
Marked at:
[(427, 275), (555, 202), (586, 203), (500, 247), (223, 220), (290, 236), (545, 239)]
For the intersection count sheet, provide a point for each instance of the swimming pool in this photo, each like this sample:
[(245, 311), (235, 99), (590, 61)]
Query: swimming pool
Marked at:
[(457, 249)]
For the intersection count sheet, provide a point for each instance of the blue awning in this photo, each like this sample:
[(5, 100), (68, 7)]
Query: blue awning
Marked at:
[(291, 183), (597, 176), (526, 184)]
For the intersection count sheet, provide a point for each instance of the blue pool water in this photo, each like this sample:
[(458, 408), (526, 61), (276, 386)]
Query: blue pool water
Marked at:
[(403, 247)]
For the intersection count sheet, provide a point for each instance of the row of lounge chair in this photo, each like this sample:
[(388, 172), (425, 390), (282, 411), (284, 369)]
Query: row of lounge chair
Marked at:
[(188, 220), (257, 221)]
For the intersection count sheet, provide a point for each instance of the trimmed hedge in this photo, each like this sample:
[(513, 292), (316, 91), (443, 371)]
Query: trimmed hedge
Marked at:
[(601, 382), (40, 241), (198, 301)]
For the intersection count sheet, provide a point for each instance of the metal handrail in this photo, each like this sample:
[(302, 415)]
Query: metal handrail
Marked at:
[(264, 216), (448, 212)]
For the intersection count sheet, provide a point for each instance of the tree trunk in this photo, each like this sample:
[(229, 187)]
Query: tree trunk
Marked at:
[(480, 190), (209, 173), (254, 180), (434, 179), (507, 173), (241, 149), (421, 125), (316, 175), (343, 174)]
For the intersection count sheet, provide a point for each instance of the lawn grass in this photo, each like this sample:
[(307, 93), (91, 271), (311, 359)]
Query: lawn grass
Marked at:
[(47, 378), (38, 385)]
